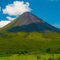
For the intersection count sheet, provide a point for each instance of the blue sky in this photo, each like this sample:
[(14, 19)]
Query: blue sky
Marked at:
[(48, 10)]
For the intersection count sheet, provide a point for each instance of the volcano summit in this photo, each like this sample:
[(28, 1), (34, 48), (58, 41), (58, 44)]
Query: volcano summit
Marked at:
[(28, 22)]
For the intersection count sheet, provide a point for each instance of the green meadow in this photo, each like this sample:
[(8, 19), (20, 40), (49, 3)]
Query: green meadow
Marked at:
[(29, 46), (32, 57)]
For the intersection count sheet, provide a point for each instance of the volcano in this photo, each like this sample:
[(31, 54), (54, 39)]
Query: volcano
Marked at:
[(28, 22), (29, 34)]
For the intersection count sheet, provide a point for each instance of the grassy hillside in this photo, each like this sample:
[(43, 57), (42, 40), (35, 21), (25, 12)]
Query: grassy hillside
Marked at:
[(33, 42), (32, 57)]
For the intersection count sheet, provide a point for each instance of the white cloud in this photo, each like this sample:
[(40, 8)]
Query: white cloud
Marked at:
[(54, 0), (10, 18), (17, 8), (3, 23)]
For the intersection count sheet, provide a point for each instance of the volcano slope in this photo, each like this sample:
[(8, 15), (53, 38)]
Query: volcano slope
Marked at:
[(28, 22), (29, 34)]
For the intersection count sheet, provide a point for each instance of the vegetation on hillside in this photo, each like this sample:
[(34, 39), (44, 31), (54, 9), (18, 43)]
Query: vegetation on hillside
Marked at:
[(32, 57), (33, 42)]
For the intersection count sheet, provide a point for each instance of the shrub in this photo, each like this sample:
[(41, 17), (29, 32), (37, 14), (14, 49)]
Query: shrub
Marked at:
[(48, 50), (38, 57)]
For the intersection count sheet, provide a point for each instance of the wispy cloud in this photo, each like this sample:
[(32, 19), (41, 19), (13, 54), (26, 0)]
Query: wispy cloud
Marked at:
[(3, 23), (10, 18), (17, 8)]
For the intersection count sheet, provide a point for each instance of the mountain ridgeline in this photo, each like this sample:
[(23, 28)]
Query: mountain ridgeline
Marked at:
[(28, 22)]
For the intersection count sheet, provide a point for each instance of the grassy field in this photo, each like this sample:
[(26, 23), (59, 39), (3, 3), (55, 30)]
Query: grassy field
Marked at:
[(29, 46), (22, 43), (32, 57)]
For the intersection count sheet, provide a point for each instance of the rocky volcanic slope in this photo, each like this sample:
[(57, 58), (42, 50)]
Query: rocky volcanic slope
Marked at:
[(28, 22)]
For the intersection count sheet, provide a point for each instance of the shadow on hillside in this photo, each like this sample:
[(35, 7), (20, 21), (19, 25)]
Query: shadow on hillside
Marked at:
[(34, 27)]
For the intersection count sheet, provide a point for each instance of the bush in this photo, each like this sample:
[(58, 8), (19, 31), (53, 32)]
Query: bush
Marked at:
[(38, 57), (48, 50)]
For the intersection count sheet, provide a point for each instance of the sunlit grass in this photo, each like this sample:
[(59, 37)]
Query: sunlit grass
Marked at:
[(32, 57)]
